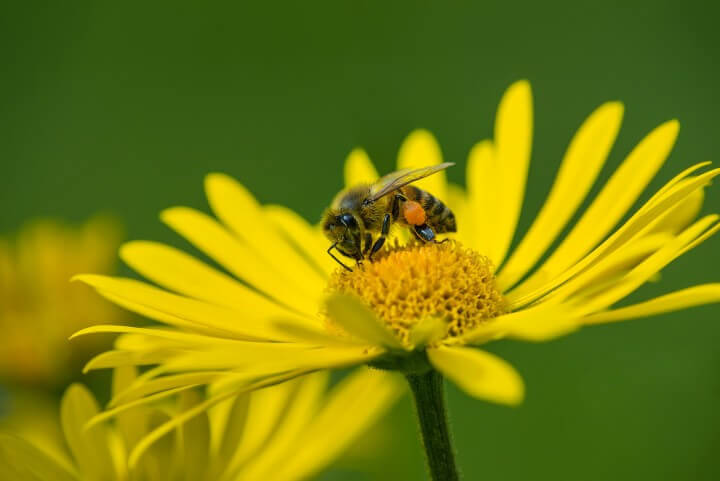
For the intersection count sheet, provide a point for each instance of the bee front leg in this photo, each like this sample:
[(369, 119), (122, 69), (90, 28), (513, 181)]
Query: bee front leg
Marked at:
[(381, 240), (334, 246)]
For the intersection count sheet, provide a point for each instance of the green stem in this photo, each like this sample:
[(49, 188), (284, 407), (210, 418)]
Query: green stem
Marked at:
[(429, 397)]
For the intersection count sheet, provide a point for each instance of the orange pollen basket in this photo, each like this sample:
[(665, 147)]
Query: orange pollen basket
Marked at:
[(414, 213)]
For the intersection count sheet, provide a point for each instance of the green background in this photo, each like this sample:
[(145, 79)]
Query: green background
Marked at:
[(124, 106)]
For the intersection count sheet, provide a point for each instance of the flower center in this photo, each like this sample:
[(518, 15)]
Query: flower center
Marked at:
[(405, 285)]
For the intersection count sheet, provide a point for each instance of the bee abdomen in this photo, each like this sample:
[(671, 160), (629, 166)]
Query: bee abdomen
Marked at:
[(439, 216)]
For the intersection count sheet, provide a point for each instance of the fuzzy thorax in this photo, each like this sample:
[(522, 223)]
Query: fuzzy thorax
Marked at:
[(407, 284)]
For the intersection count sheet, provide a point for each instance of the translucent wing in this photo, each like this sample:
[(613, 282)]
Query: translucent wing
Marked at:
[(399, 178)]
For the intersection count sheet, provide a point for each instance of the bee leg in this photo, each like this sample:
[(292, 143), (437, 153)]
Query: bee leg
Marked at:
[(396, 205), (424, 233), (376, 246), (381, 240), (368, 243), (336, 259)]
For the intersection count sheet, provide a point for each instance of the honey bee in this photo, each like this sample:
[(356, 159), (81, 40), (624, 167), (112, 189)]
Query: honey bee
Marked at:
[(360, 213)]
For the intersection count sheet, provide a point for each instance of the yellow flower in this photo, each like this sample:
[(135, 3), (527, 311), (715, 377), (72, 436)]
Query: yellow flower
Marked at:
[(284, 432), (284, 308), (39, 308)]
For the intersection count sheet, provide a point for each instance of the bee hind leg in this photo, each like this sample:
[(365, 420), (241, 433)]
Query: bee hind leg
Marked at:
[(395, 209), (424, 232), (381, 240)]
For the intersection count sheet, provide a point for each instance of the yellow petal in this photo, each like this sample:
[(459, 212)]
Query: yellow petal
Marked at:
[(118, 452), (420, 149), (132, 408), (89, 447), (367, 394), (312, 336), (479, 373), (536, 324), (305, 236), (236, 207), (143, 343), (171, 335), (185, 416), (118, 358), (213, 239), (683, 175), (168, 426), (160, 462), (178, 271), (359, 321), (194, 314), (295, 420), (542, 282), (513, 142), (195, 435), (265, 412), (616, 197), (132, 423), (123, 377), (359, 169), (457, 200), (230, 428), (267, 358), (155, 314), (689, 238), (609, 267), (427, 331), (482, 184), (711, 231), (140, 389), (21, 461), (583, 160), (680, 216), (682, 299)]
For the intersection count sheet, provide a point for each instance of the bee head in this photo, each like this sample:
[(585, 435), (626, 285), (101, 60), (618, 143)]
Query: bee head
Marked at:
[(344, 230)]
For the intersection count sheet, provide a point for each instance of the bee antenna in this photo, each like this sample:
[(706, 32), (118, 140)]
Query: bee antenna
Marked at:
[(335, 258)]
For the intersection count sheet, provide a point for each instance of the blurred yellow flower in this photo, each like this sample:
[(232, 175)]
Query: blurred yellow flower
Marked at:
[(285, 432), (40, 308), (416, 308)]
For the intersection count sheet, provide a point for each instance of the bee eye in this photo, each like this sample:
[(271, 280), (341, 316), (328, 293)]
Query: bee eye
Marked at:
[(347, 220)]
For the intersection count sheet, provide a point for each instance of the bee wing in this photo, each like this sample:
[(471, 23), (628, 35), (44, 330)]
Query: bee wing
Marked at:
[(400, 178)]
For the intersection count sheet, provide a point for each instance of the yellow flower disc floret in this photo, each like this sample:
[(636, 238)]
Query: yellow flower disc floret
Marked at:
[(404, 285)]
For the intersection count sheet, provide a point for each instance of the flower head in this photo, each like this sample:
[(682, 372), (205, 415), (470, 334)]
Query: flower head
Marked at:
[(408, 284), (39, 308), (284, 432), (285, 308)]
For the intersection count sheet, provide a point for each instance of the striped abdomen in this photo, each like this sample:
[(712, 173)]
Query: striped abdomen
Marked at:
[(439, 217)]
